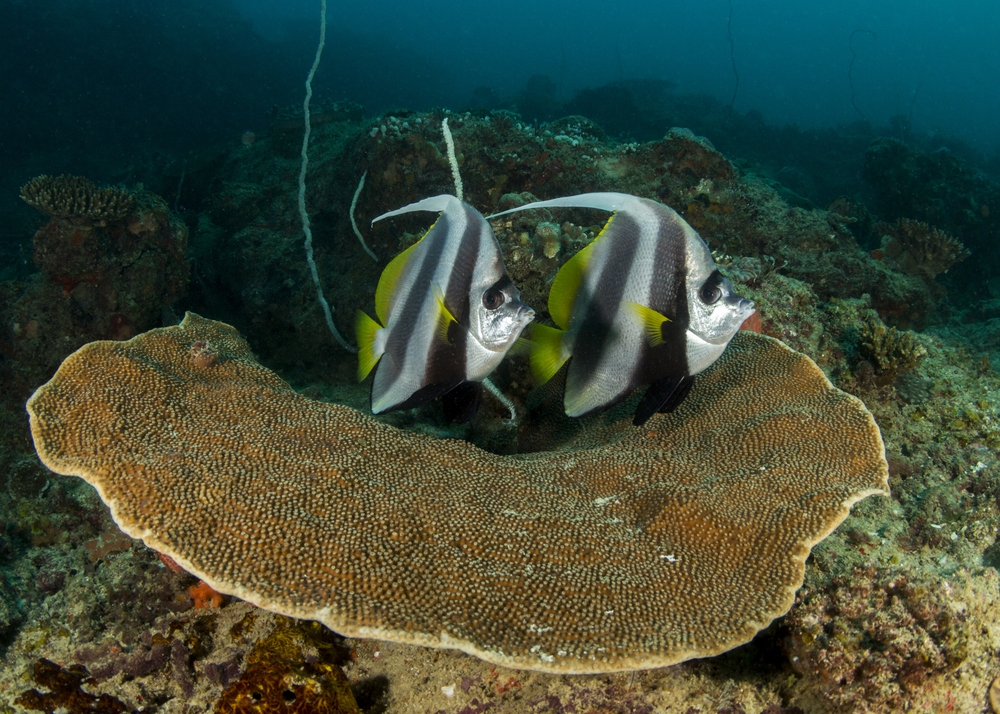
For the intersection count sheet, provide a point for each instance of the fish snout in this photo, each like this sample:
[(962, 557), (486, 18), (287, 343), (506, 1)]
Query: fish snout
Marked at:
[(522, 313)]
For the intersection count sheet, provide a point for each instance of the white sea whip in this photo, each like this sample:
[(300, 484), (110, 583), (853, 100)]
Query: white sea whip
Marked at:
[(450, 143), (306, 227), (354, 223)]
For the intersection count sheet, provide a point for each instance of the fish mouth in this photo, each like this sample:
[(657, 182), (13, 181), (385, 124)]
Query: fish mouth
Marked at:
[(514, 324)]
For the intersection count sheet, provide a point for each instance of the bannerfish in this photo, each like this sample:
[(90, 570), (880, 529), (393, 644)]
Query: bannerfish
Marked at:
[(642, 304), (448, 312)]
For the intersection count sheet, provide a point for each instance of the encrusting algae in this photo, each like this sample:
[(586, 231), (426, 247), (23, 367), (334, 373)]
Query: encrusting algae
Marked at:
[(289, 672), (627, 549)]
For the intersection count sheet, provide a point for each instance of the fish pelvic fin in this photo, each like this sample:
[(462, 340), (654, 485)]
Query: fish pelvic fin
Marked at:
[(548, 354), (651, 320), (366, 330), (444, 316)]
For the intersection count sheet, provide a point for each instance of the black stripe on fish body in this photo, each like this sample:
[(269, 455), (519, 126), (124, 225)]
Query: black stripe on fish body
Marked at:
[(599, 313), (668, 296), (446, 360), (444, 371), (400, 339), (456, 293), (670, 269)]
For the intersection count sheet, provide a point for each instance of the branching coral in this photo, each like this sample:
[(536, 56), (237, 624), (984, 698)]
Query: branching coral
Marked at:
[(77, 198), (890, 351), (920, 249)]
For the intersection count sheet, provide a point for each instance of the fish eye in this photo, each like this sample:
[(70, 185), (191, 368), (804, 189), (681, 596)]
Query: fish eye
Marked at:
[(710, 293), (493, 298)]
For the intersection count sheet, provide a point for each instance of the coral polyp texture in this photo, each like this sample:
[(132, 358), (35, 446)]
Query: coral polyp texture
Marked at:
[(75, 197), (626, 548)]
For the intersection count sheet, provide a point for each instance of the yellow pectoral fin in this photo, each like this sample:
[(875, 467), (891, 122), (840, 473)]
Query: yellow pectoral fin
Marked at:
[(522, 347), (365, 329), (444, 316), (547, 353), (652, 322)]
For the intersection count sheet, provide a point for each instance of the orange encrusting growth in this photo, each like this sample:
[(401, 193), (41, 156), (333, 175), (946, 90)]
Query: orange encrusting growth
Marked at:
[(627, 548), (204, 596), (753, 324)]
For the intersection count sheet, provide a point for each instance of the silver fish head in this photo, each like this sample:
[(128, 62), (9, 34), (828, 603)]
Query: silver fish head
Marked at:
[(499, 316), (716, 309)]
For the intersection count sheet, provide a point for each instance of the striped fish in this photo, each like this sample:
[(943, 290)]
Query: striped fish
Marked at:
[(448, 314), (642, 304)]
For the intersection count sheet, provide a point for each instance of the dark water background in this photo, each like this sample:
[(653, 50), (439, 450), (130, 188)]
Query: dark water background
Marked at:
[(120, 90)]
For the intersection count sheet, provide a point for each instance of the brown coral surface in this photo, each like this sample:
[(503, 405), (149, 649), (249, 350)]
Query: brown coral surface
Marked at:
[(635, 548)]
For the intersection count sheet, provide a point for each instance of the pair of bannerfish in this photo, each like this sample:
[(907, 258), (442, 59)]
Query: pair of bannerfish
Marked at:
[(642, 305)]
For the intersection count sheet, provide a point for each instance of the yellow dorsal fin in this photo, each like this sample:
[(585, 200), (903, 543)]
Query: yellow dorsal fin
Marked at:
[(567, 283), (547, 353), (444, 316), (652, 322), (365, 330), (390, 276)]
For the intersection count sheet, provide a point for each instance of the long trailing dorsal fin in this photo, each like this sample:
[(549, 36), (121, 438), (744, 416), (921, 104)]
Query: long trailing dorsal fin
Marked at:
[(436, 204), (569, 278), (390, 276), (604, 201)]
